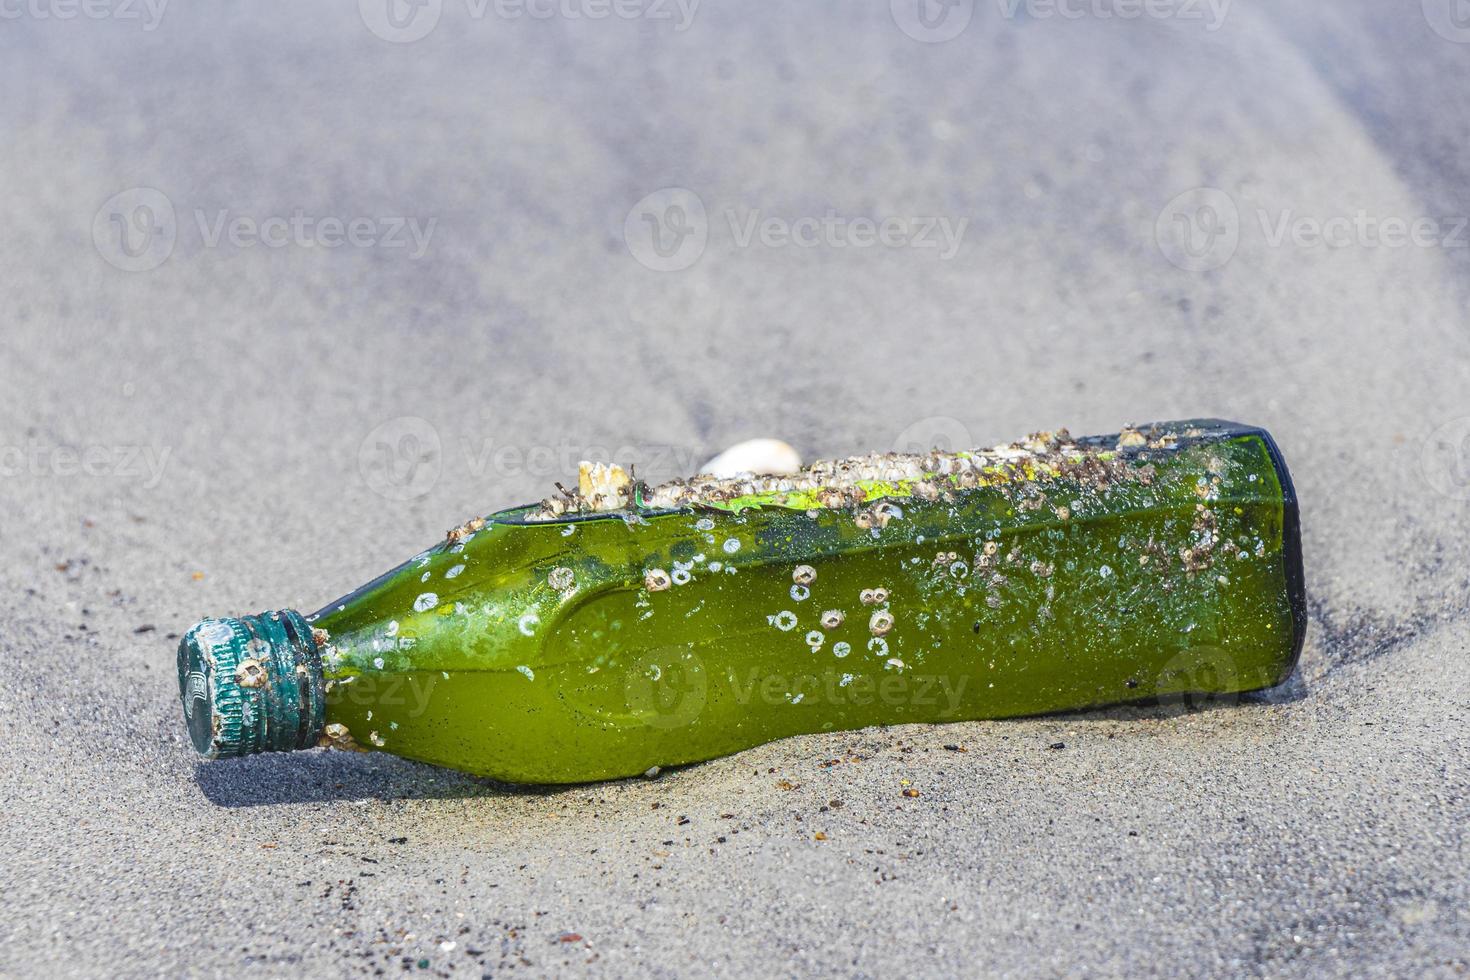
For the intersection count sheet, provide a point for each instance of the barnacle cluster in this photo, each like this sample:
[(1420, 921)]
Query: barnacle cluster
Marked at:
[(866, 484)]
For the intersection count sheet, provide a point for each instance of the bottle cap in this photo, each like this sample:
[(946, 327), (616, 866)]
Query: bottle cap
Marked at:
[(252, 684)]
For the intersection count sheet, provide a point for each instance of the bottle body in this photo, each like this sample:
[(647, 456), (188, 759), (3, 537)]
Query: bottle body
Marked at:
[(593, 646)]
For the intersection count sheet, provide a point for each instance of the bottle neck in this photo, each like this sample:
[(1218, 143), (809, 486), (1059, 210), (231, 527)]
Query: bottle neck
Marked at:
[(252, 684)]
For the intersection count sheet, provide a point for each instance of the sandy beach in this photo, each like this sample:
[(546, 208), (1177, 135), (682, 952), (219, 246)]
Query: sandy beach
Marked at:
[(286, 293)]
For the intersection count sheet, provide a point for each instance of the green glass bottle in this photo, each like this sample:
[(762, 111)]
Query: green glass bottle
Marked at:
[(622, 627)]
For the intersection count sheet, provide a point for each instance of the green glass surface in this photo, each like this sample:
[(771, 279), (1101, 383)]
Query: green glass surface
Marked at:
[(537, 652)]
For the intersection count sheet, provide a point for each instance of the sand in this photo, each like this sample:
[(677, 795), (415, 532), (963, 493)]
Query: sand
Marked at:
[(207, 424)]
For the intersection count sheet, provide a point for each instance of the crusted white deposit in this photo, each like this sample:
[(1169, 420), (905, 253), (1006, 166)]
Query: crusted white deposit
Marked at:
[(859, 480)]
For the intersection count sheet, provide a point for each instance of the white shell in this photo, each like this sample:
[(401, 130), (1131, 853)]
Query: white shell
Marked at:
[(760, 457)]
